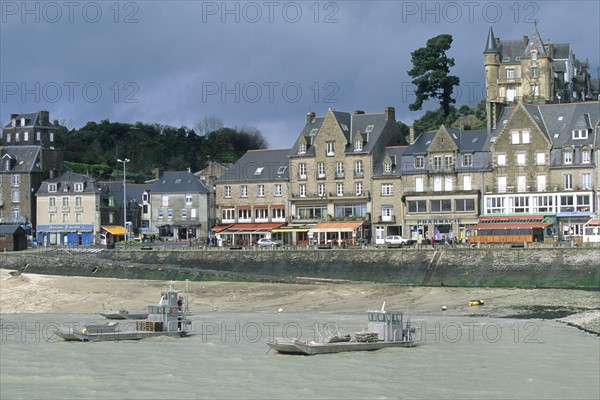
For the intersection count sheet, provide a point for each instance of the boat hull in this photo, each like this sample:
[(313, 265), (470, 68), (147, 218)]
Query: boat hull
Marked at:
[(305, 348), (72, 335)]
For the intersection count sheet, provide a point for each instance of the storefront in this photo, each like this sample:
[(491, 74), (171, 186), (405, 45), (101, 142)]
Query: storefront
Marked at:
[(440, 230), (293, 234), (110, 234), (571, 224), (337, 233), (65, 234), (243, 234), (512, 229)]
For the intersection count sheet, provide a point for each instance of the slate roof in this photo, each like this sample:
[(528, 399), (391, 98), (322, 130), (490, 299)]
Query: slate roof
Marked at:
[(557, 121), (10, 229), (274, 164), (66, 183), (26, 159), (398, 152), (511, 50), (177, 182), (31, 120), (134, 191)]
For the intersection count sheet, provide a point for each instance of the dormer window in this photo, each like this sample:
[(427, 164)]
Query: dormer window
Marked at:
[(145, 197), (534, 55), (419, 162), (330, 149), (568, 156), (52, 187), (580, 133), (358, 145), (22, 121), (14, 122), (369, 128), (78, 187), (387, 168), (8, 138), (302, 148), (586, 156), (258, 171)]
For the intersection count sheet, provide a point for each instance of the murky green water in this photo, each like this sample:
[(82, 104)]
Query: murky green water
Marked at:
[(460, 358)]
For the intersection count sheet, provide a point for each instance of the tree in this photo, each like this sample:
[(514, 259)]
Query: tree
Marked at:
[(430, 73)]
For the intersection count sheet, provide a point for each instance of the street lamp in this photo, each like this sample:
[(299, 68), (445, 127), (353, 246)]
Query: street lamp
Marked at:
[(125, 161)]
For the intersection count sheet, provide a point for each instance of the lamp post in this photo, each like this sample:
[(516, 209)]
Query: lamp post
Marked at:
[(124, 161)]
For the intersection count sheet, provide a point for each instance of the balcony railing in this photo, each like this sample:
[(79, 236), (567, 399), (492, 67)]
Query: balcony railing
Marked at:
[(65, 208), (332, 195), (432, 189), (533, 189)]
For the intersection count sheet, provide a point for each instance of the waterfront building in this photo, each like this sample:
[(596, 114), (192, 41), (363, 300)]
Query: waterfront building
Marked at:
[(27, 157), (252, 199), (331, 167), (175, 207)]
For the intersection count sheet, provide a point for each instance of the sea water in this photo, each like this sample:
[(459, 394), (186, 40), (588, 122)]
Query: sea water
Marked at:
[(460, 357)]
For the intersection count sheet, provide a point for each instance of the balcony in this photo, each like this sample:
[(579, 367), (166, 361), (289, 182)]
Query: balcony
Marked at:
[(386, 218), (65, 209), (412, 190), (358, 174), (442, 169), (339, 175), (510, 81), (78, 208), (52, 209)]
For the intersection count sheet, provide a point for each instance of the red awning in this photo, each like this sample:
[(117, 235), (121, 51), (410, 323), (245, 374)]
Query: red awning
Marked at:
[(250, 228), (510, 226), (219, 228)]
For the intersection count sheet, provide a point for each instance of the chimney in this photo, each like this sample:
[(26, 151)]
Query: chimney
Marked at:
[(465, 127), (497, 42), (358, 112), (13, 116), (415, 131), (43, 117), (390, 113), (525, 40), (157, 173), (550, 47), (309, 117)]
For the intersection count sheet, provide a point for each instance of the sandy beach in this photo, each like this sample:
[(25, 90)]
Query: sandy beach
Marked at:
[(30, 293)]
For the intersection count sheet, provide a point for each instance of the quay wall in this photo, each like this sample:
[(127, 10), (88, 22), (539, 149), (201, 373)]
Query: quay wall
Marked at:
[(575, 267)]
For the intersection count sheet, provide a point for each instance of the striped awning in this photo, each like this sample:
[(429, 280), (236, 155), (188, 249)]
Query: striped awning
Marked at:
[(341, 226)]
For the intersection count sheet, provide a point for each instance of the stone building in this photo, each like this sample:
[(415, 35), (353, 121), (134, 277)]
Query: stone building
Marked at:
[(252, 198), (27, 157), (545, 162), (331, 168)]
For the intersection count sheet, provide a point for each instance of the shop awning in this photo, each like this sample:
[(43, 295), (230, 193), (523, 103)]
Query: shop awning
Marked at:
[(114, 230), (250, 228), (219, 228), (186, 223), (293, 228), (593, 222), (337, 226), (511, 222)]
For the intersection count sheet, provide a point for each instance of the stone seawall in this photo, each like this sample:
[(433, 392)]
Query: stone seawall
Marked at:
[(494, 267)]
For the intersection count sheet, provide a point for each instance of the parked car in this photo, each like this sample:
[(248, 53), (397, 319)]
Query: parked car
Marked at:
[(266, 242), (397, 241)]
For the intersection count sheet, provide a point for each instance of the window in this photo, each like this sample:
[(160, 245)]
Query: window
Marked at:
[(169, 213), (540, 158), (111, 218), (17, 137), (52, 218), (567, 204), (437, 162), (339, 169), (510, 73), (387, 189), (464, 205), (8, 138), (78, 217), (302, 171), (501, 159), (38, 136), (52, 187), (244, 191), (78, 201), (534, 54), (440, 205), (358, 168), (358, 145), (52, 202), (261, 214), (419, 162), (161, 213), (302, 148), (515, 137), (501, 183), (467, 160), (521, 183), (525, 137), (448, 183), (321, 189), (260, 190), (227, 191), (583, 203), (586, 181), (419, 184), (350, 210), (244, 214), (521, 158), (387, 168), (448, 161), (194, 213), (358, 188), (329, 149), (281, 170), (78, 187), (543, 204), (568, 181), (535, 72), (580, 134), (302, 190), (16, 196), (568, 156), (145, 197), (278, 213), (188, 199), (467, 182), (145, 209), (65, 218), (340, 189), (541, 183), (184, 213), (277, 189), (417, 206), (585, 156), (15, 180), (228, 214), (535, 90), (520, 204), (165, 200), (65, 202), (321, 170), (311, 212), (387, 213), (494, 205)]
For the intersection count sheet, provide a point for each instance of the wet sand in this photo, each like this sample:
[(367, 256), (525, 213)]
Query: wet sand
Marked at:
[(30, 293)]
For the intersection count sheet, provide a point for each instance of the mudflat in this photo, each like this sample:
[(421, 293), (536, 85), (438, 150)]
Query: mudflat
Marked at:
[(31, 293)]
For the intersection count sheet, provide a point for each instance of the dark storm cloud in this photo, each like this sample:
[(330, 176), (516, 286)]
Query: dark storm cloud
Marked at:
[(264, 64)]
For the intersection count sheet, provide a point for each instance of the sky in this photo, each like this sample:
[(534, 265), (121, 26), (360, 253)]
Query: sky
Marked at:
[(263, 64)]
